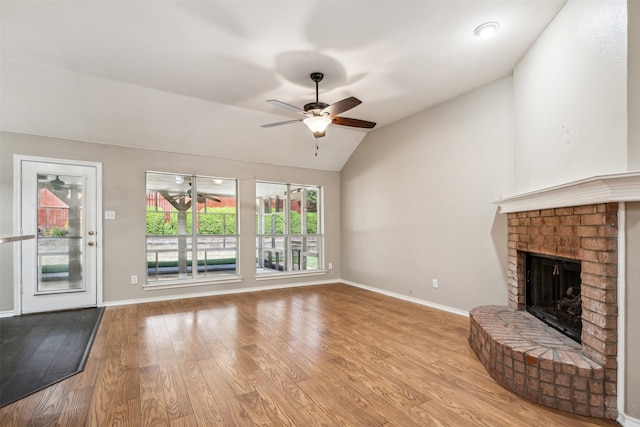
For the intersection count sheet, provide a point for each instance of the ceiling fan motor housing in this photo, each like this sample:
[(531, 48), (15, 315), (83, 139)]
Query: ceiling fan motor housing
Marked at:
[(315, 107)]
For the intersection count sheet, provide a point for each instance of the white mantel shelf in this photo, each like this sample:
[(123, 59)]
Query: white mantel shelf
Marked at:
[(621, 187)]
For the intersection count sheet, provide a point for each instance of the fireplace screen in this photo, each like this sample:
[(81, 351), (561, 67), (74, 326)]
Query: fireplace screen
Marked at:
[(553, 293)]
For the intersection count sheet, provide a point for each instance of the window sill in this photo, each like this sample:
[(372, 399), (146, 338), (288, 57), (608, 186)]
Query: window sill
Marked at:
[(172, 284), (278, 275)]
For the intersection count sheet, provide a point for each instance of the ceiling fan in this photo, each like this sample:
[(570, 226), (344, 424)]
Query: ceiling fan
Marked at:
[(320, 115)]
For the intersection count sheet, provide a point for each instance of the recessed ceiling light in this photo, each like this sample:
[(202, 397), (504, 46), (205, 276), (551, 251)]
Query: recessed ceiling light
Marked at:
[(486, 30)]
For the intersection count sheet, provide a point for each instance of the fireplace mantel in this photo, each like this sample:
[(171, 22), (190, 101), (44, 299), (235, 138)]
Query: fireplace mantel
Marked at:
[(621, 187)]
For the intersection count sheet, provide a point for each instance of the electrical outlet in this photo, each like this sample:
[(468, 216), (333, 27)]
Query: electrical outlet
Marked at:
[(435, 283), (134, 280), (330, 266)]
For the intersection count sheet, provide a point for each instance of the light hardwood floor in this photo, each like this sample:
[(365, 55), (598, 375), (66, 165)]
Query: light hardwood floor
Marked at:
[(319, 355)]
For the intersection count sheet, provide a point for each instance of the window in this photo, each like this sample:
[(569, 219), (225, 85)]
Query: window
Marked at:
[(176, 237), (289, 235)]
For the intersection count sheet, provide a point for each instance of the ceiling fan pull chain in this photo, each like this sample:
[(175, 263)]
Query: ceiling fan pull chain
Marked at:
[(316, 147)]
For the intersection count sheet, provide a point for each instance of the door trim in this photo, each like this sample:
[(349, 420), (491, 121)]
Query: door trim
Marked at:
[(17, 223)]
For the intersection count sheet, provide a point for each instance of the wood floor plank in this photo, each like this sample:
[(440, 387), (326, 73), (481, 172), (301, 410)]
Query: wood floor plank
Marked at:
[(176, 398), (76, 407), (332, 355), (231, 412), (153, 406)]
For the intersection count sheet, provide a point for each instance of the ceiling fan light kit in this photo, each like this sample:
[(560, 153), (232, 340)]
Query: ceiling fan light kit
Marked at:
[(318, 125), (320, 115)]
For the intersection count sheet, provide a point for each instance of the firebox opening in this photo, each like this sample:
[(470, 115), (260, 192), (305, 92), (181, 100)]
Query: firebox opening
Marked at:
[(552, 292)]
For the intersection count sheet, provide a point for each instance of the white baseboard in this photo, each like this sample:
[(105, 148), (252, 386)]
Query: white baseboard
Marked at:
[(410, 299), (212, 293), (10, 313), (292, 285), (627, 421)]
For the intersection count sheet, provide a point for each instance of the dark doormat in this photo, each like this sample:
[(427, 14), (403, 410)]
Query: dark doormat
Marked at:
[(38, 350)]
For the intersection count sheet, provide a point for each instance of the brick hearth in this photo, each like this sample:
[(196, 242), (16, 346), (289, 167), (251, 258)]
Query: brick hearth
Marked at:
[(571, 377)]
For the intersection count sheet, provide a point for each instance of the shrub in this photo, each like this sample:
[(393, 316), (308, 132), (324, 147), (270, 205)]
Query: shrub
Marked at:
[(217, 221)]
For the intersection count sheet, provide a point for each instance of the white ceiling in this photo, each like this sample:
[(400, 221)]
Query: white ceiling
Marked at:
[(193, 76)]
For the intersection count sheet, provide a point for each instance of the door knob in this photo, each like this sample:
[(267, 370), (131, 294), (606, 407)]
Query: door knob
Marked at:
[(91, 243), (91, 233)]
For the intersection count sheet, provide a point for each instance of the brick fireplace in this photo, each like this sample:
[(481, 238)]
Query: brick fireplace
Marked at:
[(526, 355)]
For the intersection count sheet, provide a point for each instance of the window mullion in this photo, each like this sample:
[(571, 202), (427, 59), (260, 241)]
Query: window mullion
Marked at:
[(194, 221), (288, 253)]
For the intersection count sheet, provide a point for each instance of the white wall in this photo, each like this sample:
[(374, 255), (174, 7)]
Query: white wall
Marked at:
[(632, 374), (570, 97), (633, 84), (417, 202), (124, 192), (632, 363)]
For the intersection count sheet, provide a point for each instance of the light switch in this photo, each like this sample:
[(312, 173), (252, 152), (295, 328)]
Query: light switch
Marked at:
[(109, 214)]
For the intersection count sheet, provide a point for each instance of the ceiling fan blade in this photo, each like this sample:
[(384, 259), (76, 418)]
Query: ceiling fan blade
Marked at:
[(286, 106), (270, 125), (342, 106), (356, 123)]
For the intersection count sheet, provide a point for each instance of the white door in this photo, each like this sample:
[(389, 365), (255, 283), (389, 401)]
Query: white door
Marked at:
[(59, 205)]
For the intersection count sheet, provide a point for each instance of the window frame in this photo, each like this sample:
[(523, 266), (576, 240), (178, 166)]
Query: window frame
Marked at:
[(287, 249), (192, 277)]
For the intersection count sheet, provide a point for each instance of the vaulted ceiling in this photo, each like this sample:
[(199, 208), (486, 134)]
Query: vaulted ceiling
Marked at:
[(193, 76)]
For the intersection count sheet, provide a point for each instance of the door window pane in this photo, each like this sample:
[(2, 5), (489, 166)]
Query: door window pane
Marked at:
[(59, 241)]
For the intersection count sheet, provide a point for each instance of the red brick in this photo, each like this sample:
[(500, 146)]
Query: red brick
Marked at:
[(533, 395), (570, 220), (551, 240), (563, 380), (581, 409), (546, 375), (564, 211), (590, 231), (566, 230), (600, 282), (599, 243), (579, 383), (570, 242), (604, 295), (564, 405), (519, 378), (563, 393), (508, 373), (608, 231), (580, 396), (610, 389), (596, 386), (602, 308), (548, 401), (532, 383), (547, 389), (587, 209), (592, 219), (596, 399)]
